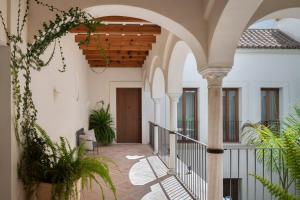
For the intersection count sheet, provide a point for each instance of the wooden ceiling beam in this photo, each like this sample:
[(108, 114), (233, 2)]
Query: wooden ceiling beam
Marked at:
[(122, 58), (122, 29), (120, 47), (118, 43), (119, 19), (117, 63), (116, 38), (116, 53), (112, 62)]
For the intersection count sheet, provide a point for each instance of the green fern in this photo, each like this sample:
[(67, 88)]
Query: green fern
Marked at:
[(62, 166), (101, 121), (276, 190), (285, 153)]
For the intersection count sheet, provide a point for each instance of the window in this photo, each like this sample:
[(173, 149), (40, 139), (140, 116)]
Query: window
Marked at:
[(187, 113), (231, 188), (270, 106), (230, 115)]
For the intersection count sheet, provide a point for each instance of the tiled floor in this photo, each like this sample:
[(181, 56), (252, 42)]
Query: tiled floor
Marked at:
[(136, 173)]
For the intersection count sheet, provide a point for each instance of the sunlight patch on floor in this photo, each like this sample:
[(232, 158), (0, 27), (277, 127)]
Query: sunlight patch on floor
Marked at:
[(158, 166), (141, 173), (174, 189), (129, 157), (155, 194)]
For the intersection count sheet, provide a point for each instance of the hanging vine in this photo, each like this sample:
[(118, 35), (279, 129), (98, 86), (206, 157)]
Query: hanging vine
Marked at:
[(28, 57), (23, 61)]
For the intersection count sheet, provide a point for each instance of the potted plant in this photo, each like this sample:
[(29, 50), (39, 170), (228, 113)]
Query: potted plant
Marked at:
[(58, 171), (44, 164), (101, 121), (285, 154)]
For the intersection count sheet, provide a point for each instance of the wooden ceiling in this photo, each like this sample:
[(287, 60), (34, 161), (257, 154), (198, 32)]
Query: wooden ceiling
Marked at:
[(125, 42)]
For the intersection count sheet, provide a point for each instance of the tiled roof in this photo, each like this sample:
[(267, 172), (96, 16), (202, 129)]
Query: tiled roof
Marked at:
[(267, 39)]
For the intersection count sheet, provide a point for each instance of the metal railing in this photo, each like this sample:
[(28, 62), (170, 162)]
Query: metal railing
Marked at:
[(188, 128), (191, 165), (151, 134), (163, 144), (243, 163)]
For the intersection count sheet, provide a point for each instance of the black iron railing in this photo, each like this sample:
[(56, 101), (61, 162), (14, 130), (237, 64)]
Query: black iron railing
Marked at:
[(151, 134), (163, 144), (243, 163), (191, 165), (188, 128)]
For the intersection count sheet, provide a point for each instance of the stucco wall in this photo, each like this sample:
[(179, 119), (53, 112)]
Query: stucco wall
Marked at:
[(62, 98), (102, 85), (252, 70)]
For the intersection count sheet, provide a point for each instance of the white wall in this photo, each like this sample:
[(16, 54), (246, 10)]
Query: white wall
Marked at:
[(102, 84), (291, 27), (62, 98), (252, 70)]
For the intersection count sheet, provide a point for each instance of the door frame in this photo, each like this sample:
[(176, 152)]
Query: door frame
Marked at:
[(196, 110), (113, 104), (139, 123)]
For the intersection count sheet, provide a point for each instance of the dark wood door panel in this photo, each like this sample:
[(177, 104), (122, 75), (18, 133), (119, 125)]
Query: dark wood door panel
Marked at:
[(129, 115)]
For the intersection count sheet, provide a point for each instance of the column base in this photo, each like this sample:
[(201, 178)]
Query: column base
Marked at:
[(171, 171), (155, 153)]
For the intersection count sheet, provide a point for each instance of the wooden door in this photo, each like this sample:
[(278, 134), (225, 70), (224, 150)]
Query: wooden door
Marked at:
[(129, 115)]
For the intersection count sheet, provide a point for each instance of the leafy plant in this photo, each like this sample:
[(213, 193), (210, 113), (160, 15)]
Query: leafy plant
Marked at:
[(38, 153), (61, 166), (284, 156), (101, 121)]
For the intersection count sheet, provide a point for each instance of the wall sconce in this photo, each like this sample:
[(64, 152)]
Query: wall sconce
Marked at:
[(55, 94)]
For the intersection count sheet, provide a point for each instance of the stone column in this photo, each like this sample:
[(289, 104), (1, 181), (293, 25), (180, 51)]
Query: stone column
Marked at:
[(174, 97), (214, 77), (157, 122)]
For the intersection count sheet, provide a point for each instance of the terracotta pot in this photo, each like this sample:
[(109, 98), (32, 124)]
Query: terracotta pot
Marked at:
[(44, 191)]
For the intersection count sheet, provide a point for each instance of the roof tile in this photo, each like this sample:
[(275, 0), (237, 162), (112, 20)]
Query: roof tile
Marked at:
[(267, 39)]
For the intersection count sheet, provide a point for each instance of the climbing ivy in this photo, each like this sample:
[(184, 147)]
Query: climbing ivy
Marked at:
[(26, 57)]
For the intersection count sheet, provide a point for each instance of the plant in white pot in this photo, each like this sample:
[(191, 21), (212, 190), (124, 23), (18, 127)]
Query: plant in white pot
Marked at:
[(41, 161), (58, 171)]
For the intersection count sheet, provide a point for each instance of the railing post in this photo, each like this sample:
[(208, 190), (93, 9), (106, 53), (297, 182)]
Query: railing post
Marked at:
[(156, 121), (214, 76), (174, 97)]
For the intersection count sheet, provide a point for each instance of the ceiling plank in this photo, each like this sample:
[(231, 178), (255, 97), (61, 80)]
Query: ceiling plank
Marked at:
[(117, 47), (116, 53), (129, 58), (122, 29), (118, 43), (116, 63), (119, 19), (112, 38)]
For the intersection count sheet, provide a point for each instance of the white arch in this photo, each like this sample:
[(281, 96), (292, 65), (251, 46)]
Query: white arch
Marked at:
[(156, 18), (154, 63), (235, 18), (158, 84), (147, 85), (227, 30), (176, 67)]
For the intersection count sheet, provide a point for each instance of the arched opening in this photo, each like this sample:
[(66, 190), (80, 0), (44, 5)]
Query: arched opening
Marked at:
[(158, 84), (176, 67), (263, 84), (156, 18)]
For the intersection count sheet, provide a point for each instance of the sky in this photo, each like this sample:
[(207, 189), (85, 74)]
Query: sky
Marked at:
[(266, 24)]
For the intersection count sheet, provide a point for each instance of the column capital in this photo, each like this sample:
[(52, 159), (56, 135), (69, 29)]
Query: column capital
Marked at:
[(174, 96), (156, 100), (215, 75)]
